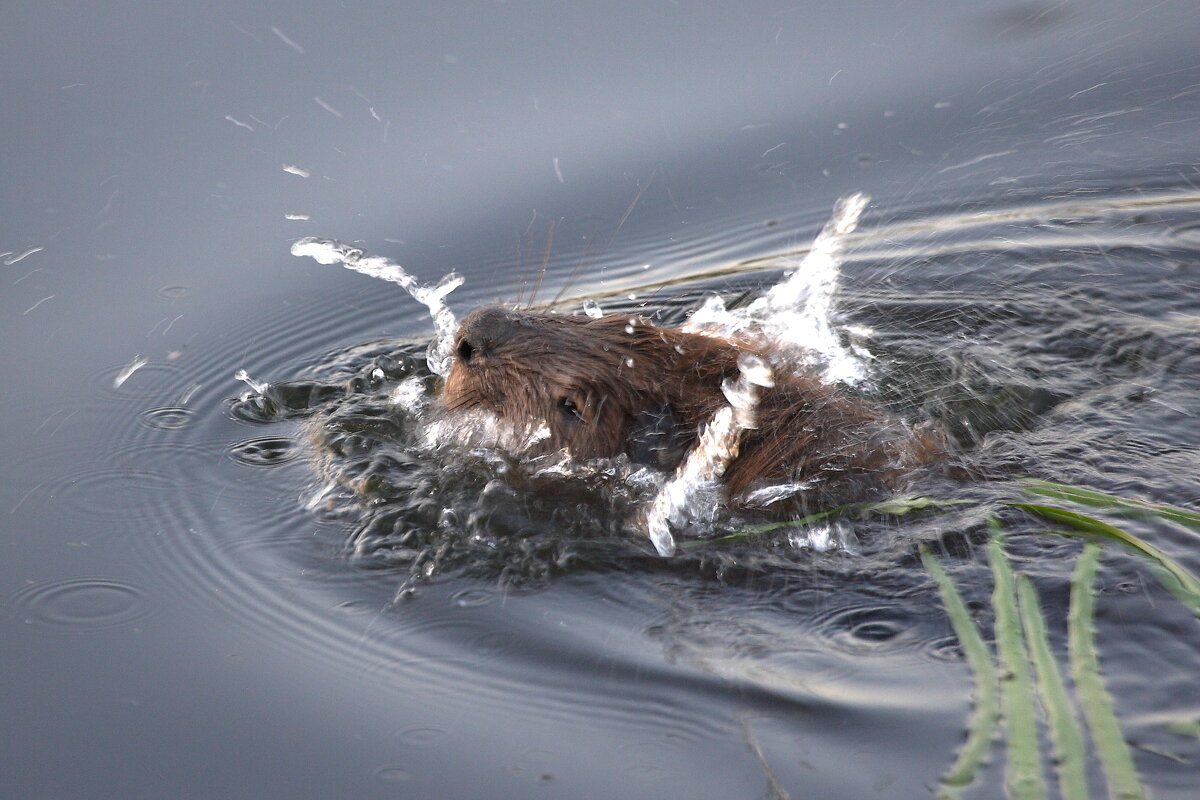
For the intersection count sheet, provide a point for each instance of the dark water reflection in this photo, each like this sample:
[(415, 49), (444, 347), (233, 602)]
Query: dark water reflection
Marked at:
[(175, 623)]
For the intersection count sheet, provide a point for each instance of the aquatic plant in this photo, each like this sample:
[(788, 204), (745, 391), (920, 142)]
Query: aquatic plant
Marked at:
[(1020, 674)]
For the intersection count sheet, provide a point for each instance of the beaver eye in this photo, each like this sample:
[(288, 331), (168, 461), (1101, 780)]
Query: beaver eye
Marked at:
[(571, 411), (465, 351)]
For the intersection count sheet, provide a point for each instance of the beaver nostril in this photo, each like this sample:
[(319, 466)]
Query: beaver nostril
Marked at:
[(465, 350)]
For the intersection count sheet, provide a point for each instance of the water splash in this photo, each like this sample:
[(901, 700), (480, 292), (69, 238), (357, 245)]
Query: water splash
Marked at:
[(690, 494), (797, 311), (127, 371), (259, 387), (409, 395), (433, 296), (481, 430)]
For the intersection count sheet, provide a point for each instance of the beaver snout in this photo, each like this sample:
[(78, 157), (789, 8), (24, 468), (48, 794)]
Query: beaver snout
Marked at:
[(482, 331)]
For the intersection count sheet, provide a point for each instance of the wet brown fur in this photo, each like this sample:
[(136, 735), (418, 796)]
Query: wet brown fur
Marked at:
[(619, 384)]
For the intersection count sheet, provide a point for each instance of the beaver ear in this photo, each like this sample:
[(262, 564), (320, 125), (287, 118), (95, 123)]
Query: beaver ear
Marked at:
[(658, 439)]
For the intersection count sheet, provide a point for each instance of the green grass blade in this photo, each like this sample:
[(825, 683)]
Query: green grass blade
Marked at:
[(1175, 578), (899, 506), (893, 506), (1065, 731), (1098, 499), (1024, 775), (1114, 753), (982, 727), (1185, 727)]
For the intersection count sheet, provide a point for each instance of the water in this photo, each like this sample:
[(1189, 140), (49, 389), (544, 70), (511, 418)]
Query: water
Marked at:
[(433, 297), (176, 622)]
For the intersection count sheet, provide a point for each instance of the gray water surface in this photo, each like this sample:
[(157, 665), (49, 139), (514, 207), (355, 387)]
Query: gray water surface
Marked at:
[(175, 623)]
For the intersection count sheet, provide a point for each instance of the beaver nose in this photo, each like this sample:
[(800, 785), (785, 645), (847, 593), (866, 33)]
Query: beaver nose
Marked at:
[(482, 330)]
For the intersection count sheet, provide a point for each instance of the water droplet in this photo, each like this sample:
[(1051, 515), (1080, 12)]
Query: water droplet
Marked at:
[(127, 372), (393, 775), (423, 738)]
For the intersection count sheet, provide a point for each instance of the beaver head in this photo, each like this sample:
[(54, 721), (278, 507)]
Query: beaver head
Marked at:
[(602, 385)]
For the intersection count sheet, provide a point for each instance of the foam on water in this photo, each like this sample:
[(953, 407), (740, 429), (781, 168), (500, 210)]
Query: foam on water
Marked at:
[(433, 296)]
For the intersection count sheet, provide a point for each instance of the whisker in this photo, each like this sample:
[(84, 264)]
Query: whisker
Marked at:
[(584, 262), (545, 263)]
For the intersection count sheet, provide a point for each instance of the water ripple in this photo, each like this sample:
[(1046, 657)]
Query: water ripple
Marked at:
[(264, 451), (81, 604), (638, 651), (167, 418)]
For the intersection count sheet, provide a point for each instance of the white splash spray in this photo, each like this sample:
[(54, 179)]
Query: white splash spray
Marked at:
[(259, 387), (127, 371), (433, 296), (796, 312), (679, 499), (409, 395)]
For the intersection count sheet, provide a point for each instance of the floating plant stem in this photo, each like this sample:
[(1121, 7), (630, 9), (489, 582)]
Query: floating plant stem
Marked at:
[(1097, 499), (1065, 731), (1115, 757), (1185, 727), (893, 506), (1175, 578), (982, 727), (899, 506), (1023, 771), (775, 788)]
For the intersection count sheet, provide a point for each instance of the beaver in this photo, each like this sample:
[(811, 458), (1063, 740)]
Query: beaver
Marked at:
[(620, 384)]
